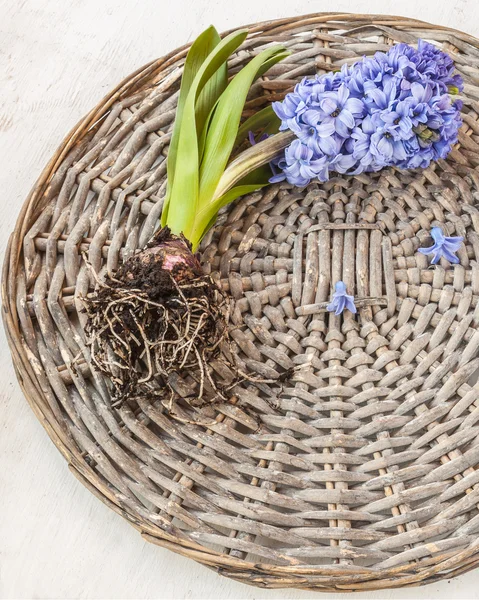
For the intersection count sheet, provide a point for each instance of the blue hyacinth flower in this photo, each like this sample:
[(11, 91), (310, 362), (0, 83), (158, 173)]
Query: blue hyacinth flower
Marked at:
[(443, 247), (396, 108), (341, 300)]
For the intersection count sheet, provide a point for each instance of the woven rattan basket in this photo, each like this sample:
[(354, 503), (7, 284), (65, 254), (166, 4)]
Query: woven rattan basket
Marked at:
[(363, 471)]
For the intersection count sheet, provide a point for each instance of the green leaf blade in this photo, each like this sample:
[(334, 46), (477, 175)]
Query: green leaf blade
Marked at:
[(265, 119), (208, 215), (208, 98), (184, 191), (250, 159), (224, 125), (197, 54)]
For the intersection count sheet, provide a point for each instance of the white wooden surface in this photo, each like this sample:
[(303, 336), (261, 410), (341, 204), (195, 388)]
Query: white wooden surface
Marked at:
[(57, 59)]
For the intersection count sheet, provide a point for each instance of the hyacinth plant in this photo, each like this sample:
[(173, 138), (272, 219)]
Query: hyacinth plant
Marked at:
[(159, 318), (159, 310)]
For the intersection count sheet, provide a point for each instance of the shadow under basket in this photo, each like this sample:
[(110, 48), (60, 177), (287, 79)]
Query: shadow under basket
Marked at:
[(361, 471)]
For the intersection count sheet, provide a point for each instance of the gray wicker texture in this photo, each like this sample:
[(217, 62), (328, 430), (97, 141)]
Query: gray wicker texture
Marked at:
[(358, 471)]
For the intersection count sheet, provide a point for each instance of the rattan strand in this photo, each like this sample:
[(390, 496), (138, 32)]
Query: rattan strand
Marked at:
[(363, 474)]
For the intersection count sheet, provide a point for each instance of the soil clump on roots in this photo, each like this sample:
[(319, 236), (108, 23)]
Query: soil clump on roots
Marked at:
[(159, 320)]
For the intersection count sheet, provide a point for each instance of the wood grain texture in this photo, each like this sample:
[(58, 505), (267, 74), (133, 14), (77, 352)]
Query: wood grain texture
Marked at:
[(57, 540)]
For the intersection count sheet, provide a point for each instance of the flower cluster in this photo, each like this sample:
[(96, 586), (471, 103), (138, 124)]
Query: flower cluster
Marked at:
[(394, 108)]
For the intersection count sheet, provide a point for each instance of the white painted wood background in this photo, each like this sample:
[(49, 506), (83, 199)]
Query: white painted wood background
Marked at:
[(57, 59)]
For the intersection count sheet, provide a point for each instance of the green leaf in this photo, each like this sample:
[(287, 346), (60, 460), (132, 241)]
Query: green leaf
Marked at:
[(236, 192), (224, 125), (183, 198), (207, 216), (272, 128), (209, 96), (260, 176), (265, 119), (252, 181), (204, 133), (197, 54), (250, 159)]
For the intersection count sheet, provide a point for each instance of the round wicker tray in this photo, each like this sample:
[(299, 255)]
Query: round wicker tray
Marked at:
[(363, 472)]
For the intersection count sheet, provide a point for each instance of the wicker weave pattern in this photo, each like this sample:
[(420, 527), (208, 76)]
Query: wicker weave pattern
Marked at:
[(363, 474)]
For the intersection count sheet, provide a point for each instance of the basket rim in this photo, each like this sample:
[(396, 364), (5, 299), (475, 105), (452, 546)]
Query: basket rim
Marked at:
[(140, 79)]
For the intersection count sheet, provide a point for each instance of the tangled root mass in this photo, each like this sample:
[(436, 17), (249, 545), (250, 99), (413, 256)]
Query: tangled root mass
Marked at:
[(159, 318)]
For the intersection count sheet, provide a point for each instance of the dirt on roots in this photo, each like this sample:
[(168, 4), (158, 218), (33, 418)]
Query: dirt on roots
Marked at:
[(157, 319)]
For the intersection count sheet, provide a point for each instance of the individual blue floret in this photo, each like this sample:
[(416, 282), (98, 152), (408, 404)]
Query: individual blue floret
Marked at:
[(443, 246), (341, 300)]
